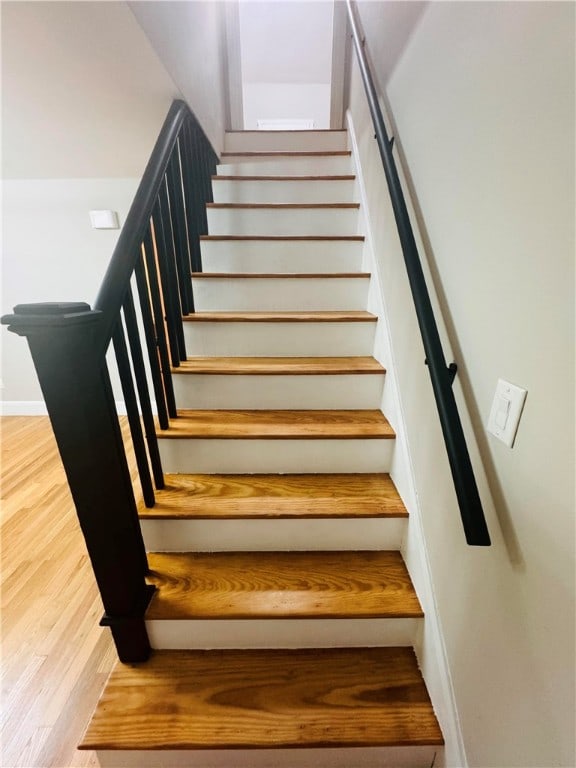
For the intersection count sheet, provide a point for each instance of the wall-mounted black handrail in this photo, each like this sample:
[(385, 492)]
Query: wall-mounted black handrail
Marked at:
[(157, 245), (473, 520)]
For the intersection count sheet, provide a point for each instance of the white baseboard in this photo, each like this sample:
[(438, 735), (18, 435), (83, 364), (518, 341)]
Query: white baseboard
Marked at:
[(431, 650), (23, 408), (38, 408)]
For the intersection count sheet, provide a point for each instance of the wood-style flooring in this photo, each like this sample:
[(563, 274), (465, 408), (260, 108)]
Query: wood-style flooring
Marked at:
[(55, 657)]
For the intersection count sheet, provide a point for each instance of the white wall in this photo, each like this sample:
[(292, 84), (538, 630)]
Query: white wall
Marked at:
[(286, 101), (84, 97), (190, 39), (483, 97), (51, 253), (83, 93), (286, 60)]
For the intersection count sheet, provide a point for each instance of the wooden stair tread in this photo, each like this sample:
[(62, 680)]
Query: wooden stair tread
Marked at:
[(280, 585), (279, 238), (281, 275), (279, 424), (282, 206), (342, 697), (275, 132), (265, 366), (334, 177), (287, 153), (187, 497), (348, 316)]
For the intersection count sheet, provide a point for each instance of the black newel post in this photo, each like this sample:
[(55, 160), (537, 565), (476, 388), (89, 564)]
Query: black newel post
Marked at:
[(64, 340)]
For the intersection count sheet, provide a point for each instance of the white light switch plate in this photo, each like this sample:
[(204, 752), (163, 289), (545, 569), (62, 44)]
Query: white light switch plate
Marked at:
[(104, 220), (506, 411)]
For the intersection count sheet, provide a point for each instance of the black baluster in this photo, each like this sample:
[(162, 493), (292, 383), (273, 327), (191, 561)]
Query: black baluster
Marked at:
[(169, 295), (172, 272), (191, 196), (159, 322), (131, 402), (177, 213), (151, 344), (142, 386)]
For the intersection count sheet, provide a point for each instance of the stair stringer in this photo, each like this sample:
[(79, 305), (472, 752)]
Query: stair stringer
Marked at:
[(429, 645)]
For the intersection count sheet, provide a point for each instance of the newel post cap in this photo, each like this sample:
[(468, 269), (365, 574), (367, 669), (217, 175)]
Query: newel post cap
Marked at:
[(50, 314)]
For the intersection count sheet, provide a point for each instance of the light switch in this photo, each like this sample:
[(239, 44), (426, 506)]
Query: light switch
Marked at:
[(104, 220), (502, 412), (506, 411)]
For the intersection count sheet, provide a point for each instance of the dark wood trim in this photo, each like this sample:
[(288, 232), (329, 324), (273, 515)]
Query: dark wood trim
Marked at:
[(281, 317), (347, 177), (336, 153), (281, 238), (279, 275), (282, 206)]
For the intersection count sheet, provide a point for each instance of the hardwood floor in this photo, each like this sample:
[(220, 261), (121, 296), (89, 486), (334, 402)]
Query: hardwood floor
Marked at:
[(55, 657)]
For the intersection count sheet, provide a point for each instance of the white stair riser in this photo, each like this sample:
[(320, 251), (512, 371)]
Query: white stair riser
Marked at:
[(261, 256), (285, 141), (248, 392), (261, 456), (348, 757), (281, 633), (334, 222), (318, 191), (229, 294), (224, 339), (273, 535), (286, 166)]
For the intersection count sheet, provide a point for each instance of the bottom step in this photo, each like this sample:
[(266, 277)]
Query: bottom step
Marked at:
[(343, 698)]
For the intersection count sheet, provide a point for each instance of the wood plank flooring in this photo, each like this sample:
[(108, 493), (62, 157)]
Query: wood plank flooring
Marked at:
[(236, 699), (55, 657)]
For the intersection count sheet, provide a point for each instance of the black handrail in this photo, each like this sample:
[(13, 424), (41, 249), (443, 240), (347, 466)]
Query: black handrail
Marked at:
[(68, 343), (442, 376)]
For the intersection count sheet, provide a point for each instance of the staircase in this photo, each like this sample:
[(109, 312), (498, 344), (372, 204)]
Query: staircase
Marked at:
[(284, 615)]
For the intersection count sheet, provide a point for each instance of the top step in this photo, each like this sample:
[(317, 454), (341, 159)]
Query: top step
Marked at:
[(287, 141)]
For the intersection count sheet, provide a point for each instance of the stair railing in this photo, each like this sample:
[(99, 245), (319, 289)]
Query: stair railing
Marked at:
[(442, 376), (158, 248)]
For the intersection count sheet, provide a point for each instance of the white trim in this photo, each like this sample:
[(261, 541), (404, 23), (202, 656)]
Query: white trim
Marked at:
[(174, 634), (23, 408), (285, 124), (319, 757), (38, 408), (436, 672)]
